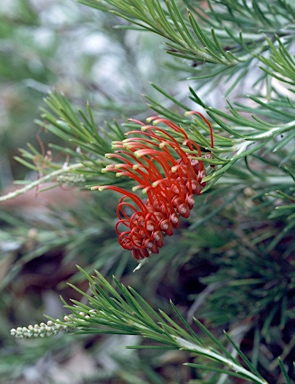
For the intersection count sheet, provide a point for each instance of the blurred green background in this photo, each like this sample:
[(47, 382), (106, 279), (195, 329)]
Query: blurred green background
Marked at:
[(59, 44), (221, 251), (62, 45)]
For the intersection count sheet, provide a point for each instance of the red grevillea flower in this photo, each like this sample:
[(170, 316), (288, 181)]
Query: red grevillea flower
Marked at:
[(167, 174)]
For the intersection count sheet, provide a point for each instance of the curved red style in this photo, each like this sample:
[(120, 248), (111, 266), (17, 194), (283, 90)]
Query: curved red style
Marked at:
[(166, 173)]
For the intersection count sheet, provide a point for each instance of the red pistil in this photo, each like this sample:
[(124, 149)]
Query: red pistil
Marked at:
[(207, 122), (168, 181)]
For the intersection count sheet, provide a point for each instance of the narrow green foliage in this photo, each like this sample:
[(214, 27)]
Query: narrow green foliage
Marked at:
[(244, 357), (280, 64), (121, 311), (231, 262), (189, 36), (287, 378)]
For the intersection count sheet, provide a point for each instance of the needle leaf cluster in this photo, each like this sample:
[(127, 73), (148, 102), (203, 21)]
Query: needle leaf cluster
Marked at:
[(238, 243)]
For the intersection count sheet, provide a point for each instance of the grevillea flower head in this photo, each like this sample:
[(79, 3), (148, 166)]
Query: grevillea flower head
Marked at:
[(169, 175)]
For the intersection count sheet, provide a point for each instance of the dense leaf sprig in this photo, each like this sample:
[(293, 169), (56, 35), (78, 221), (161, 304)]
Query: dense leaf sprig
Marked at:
[(122, 310), (251, 175)]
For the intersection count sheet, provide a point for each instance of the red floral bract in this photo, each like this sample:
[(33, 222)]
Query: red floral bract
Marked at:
[(166, 173)]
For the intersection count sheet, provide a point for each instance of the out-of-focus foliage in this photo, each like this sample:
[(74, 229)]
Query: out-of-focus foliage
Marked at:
[(62, 45), (47, 45), (231, 264)]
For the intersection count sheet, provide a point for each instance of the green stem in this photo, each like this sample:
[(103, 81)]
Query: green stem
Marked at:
[(43, 179), (184, 344)]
